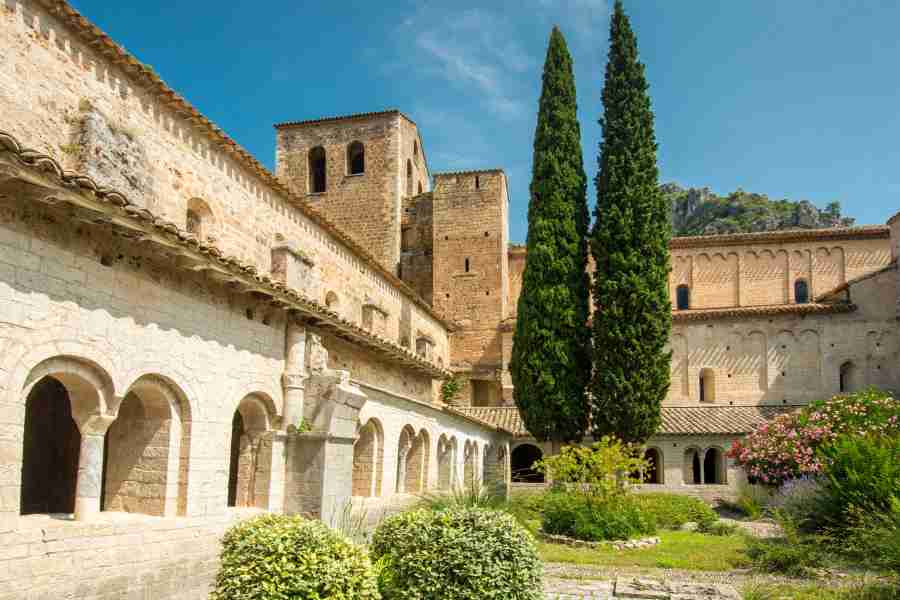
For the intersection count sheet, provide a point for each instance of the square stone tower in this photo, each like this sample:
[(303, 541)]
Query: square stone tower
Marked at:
[(471, 274), (356, 170)]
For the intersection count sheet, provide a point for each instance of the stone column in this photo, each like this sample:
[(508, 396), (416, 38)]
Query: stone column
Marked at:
[(90, 466), (294, 377), (277, 477)]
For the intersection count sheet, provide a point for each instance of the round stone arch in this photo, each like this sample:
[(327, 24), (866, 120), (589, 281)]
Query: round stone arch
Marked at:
[(147, 455), (692, 467), (655, 473), (250, 451), (24, 367), (446, 457), (470, 468), (715, 470), (264, 393), (65, 400), (368, 459)]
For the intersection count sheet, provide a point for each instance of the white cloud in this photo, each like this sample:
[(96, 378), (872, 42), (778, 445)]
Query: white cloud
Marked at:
[(475, 49)]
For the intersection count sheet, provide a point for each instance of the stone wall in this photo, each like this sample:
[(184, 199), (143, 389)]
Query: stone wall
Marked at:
[(117, 556), (471, 273), (763, 273), (99, 116), (788, 359)]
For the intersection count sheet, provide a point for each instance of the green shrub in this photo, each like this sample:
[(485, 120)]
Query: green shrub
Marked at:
[(671, 511), (862, 473), (873, 537), (277, 557), (473, 495), (604, 470), (719, 528), (457, 553), (792, 555), (617, 518)]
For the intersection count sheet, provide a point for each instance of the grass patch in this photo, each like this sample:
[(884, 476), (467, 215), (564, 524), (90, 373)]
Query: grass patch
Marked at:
[(676, 550), (856, 591)]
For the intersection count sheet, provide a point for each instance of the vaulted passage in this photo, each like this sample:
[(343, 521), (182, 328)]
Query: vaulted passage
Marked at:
[(52, 444), (523, 459)]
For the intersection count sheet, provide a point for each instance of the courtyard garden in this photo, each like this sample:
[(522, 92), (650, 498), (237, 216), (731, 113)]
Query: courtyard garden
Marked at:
[(821, 521)]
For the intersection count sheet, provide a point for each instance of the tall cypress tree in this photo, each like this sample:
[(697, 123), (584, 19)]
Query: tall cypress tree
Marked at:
[(550, 364), (630, 245)]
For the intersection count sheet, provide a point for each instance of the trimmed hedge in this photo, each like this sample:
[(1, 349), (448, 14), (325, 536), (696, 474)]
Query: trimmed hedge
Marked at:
[(277, 557), (456, 554), (617, 518)]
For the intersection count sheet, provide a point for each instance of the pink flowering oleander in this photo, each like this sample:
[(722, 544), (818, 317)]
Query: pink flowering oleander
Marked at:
[(785, 447)]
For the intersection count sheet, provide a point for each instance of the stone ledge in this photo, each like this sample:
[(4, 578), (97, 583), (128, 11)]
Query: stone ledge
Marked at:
[(616, 544)]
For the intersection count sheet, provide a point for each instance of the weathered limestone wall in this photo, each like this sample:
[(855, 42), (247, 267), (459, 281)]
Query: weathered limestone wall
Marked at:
[(118, 556), (789, 359), (96, 117), (765, 273), (470, 228)]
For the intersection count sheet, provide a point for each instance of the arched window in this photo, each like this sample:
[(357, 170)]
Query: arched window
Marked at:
[(653, 473), (199, 220), (317, 170), (51, 447), (420, 187), (682, 297), (409, 178), (707, 385), (368, 458), (249, 462), (847, 376), (332, 301), (356, 159), (416, 149), (801, 291), (523, 458)]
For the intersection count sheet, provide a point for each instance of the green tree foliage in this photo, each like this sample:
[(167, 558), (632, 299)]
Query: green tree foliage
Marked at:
[(630, 245), (551, 345)]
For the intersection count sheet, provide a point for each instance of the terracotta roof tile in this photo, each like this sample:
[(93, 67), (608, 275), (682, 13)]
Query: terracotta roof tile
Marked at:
[(363, 115), (738, 312), (791, 235), (676, 420)]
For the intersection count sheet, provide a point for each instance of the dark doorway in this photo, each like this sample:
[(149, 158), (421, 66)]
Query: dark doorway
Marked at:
[(698, 476), (523, 459), (237, 433), (51, 447), (801, 291), (711, 466)]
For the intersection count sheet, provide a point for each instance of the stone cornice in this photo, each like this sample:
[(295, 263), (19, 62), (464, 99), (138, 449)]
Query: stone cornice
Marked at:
[(144, 77), (43, 179)]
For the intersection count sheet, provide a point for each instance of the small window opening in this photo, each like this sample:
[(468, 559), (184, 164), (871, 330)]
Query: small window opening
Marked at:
[(683, 297), (420, 187), (409, 178), (801, 291), (845, 382), (707, 386), (477, 182), (356, 158), (317, 170), (416, 148), (467, 265)]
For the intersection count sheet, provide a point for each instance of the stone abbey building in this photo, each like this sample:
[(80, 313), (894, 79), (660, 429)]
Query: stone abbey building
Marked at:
[(187, 339)]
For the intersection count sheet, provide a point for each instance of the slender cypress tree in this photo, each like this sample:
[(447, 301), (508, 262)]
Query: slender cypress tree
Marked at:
[(551, 345), (630, 246)]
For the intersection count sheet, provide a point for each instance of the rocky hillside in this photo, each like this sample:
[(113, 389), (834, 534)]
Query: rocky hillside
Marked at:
[(698, 211)]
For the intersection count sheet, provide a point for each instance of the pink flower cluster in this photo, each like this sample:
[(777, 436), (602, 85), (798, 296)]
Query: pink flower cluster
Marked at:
[(786, 447)]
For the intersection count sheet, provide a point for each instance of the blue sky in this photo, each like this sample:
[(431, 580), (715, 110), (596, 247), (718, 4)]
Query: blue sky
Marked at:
[(795, 98)]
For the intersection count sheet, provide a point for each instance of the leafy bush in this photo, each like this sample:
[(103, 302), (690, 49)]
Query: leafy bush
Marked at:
[(598, 472), (719, 528), (617, 518), (862, 473), (875, 537), (786, 447), (457, 553), (474, 495), (277, 557), (792, 555), (672, 511)]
